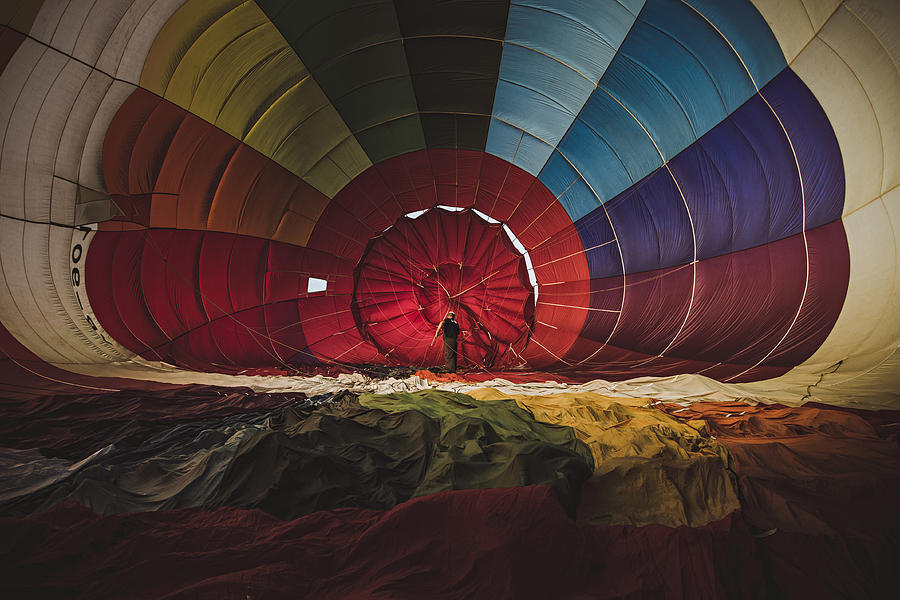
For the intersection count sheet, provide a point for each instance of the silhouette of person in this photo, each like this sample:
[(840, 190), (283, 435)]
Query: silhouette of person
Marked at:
[(451, 332)]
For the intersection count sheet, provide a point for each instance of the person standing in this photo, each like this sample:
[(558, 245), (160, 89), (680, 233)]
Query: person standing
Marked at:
[(451, 333)]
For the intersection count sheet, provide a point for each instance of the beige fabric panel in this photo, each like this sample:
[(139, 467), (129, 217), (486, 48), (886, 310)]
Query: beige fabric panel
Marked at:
[(54, 114), (795, 22), (846, 53)]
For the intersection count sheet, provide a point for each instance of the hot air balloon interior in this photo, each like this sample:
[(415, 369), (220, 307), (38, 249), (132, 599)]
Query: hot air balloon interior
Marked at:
[(231, 232)]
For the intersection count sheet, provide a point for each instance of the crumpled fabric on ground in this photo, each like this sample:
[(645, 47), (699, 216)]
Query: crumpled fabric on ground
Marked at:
[(313, 456), (649, 467)]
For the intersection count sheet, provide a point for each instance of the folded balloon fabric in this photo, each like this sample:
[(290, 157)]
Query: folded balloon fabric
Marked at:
[(445, 495)]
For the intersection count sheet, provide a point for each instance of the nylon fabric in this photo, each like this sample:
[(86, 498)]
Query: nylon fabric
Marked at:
[(648, 466), (226, 63)]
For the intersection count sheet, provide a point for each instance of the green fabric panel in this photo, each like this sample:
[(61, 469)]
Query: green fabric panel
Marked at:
[(355, 53), (370, 86), (453, 49), (455, 131), (488, 444), (392, 138), (476, 18), (454, 74)]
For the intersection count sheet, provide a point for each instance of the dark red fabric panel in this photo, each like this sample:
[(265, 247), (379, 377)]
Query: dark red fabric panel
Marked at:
[(822, 485), (498, 543), (200, 177), (10, 40), (829, 277), (151, 145), (121, 137), (192, 171), (743, 305), (24, 377)]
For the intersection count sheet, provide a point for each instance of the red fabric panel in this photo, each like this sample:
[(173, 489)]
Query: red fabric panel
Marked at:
[(247, 272), (418, 180), (204, 291), (422, 268), (200, 176), (128, 294)]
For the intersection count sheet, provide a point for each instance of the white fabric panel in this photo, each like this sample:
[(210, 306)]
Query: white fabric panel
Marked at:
[(55, 115), (47, 20), (73, 145), (62, 202), (882, 17), (91, 173), (125, 55), (876, 72), (852, 117), (72, 20), (23, 274), (43, 143), (870, 318), (14, 151)]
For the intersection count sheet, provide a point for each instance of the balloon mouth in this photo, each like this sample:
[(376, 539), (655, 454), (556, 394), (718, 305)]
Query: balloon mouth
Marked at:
[(441, 262)]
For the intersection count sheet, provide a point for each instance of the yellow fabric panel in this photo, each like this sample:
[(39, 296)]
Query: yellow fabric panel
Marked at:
[(244, 80), (614, 427), (672, 492), (238, 73), (176, 37), (294, 228), (328, 175), (648, 466), (301, 128)]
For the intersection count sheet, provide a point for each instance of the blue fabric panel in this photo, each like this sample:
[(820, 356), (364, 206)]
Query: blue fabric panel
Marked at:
[(816, 146), (554, 55), (689, 43), (677, 77), (602, 167), (569, 188), (742, 25), (515, 146), (538, 94), (740, 184), (609, 147), (584, 34), (775, 201)]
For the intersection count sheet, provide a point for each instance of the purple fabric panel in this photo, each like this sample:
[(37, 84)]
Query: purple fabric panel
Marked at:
[(739, 182), (816, 146), (652, 224)]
